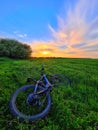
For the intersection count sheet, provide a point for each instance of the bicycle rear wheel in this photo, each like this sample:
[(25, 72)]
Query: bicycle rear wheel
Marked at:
[(37, 108), (59, 80)]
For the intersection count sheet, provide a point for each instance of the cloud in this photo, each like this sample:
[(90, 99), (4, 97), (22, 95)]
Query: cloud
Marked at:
[(76, 34), (39, 47), (20, 35)]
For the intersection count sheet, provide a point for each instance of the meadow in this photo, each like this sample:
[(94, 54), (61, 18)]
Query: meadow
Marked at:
[(73, 108)]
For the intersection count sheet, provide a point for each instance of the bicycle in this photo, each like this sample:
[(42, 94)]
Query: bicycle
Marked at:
[(32, 102)]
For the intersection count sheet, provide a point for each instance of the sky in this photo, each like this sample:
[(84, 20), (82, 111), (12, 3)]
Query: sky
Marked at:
[(53, 28)]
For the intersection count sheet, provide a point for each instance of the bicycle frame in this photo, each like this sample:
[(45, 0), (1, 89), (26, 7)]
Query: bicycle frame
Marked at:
[(46, 86)]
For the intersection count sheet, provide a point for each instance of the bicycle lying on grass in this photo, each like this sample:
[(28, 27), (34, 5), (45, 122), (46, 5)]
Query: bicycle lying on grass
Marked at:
[(32, 102)]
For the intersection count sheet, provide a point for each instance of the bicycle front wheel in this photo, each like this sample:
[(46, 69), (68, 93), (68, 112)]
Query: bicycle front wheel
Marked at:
[(38, 108)]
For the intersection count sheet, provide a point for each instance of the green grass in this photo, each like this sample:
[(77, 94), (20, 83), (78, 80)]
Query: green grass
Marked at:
[(73, 108)]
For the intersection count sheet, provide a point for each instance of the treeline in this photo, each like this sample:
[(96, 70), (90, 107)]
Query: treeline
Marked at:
[(14, 49)]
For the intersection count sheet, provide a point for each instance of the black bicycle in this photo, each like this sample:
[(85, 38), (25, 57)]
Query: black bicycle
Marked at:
[(32, 102)]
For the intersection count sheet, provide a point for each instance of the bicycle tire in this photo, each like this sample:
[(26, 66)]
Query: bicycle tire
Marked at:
[(14, 110), (57, 79)]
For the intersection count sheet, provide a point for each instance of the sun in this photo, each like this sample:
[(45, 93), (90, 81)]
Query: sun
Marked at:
[(45, 52)]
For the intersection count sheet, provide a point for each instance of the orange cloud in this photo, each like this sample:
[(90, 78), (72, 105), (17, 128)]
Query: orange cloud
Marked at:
[(51, 49), (42, 48)]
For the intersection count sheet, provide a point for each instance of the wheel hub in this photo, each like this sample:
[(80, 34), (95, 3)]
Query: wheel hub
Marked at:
[(32, 99)]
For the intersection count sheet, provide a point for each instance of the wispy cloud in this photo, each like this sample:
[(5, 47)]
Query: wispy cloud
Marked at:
[(20, 35), (77, 32), (13, 35)]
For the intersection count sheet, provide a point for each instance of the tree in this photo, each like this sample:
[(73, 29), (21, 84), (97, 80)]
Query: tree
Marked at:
[(14, 49)]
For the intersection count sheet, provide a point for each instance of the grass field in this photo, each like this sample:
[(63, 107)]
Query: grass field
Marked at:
[(73, 108)]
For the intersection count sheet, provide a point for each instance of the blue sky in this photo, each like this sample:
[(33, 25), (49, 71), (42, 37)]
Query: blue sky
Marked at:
[(67, 28), (30, 17)]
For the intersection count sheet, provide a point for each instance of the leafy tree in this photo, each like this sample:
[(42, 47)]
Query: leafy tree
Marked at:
[(14, 49)]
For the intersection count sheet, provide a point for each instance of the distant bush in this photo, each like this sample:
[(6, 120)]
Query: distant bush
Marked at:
[(14, 49)]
